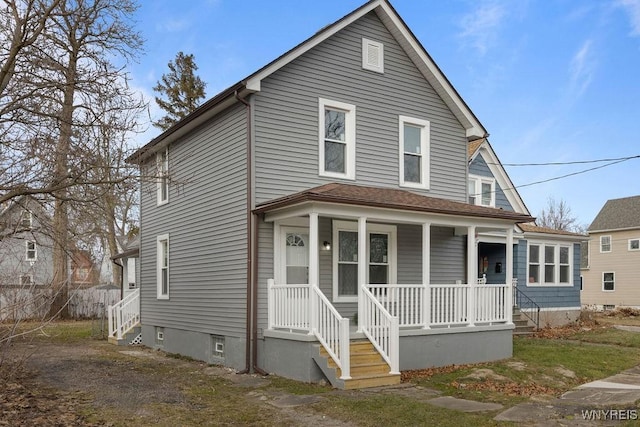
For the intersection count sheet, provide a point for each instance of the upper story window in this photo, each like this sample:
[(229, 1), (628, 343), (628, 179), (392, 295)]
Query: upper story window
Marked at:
[(414, 152), (482, 191), (634, 244), (31, 251), (550, 264), (26, 221), (605, 243), (337, 145), (163, 266), (162, 180), (372, 55)]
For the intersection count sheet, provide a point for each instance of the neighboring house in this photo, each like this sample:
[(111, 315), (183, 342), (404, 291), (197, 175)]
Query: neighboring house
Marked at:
[(611, 277), (26, 255), (546, 261), (322, 201), (83, 271)]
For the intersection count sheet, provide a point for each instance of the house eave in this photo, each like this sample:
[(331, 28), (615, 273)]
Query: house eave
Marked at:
[(548, 236), (613, 230)]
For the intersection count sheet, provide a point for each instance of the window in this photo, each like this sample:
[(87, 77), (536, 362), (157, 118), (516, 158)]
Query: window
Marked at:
[(482, 191), (414, 152), (26, 221), (550, 264), (381, 255), (372, 55), (163, 266), (26, 280), (32, 251), (605, 243), (337, 152), (608, 281), (162, 167), (634, 244)]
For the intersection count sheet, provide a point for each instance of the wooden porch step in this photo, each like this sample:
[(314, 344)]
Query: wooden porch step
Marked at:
[(368, 368)]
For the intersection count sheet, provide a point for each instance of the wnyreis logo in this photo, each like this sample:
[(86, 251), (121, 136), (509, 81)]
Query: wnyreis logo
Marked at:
[(609, 414)]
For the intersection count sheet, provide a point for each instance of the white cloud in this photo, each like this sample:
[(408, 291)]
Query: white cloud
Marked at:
[(632, 7), (582, 68), (480, 25), (173, 25)]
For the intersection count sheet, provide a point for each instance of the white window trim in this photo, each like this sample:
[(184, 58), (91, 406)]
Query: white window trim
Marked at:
[(629, 245), (425, 155), (365, 55), (614, 281), (162, 179), (391, 230), (542, 263), (159, 256), (479, 180), (610, 244), (350, 138), (35, 251)]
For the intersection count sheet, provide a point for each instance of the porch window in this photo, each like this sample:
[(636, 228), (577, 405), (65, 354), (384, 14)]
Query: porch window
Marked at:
[(31, 251), (347, 263), (337, 150), (381, 254), (162, 179), (163, 267), (609, 281), (555, 260), (414, 152), (482, 191), (605, 244)]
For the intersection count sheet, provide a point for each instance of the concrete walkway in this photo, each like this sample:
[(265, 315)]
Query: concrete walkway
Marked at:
[(604, 402)]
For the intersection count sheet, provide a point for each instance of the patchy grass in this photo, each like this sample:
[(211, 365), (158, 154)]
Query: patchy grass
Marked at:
[(56, 332), (611, 336), (296, 387)]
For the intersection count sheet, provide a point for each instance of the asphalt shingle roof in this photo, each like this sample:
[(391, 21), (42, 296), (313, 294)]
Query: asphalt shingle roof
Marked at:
[(389, 198), (618, 214)]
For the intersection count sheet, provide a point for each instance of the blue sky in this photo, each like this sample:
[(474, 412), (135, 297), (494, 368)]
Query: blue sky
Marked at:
[(552, 80)]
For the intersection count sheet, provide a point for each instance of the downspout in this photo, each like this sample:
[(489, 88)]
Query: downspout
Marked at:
[(251, 336)]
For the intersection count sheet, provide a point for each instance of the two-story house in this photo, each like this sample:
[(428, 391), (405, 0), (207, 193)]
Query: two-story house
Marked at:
[(612, 274), (313, 220), (546, 265)]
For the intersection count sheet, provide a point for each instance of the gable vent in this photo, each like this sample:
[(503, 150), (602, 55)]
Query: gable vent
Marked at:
[(372, 55)]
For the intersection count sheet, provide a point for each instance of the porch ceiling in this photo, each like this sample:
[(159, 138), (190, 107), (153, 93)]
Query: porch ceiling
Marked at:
[(388, 198)]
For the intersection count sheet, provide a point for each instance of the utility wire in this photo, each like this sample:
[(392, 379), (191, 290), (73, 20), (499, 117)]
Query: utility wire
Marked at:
[(615, 160)]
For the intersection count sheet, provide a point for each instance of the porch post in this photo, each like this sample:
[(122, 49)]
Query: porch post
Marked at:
[(426, 275), (313, 270), (509, 276), (472, 274), (362, 267)]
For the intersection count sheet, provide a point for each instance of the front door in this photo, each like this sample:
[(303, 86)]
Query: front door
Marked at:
[(296, 268)]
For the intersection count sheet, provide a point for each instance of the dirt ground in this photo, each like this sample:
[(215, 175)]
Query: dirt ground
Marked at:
[(94, 383)]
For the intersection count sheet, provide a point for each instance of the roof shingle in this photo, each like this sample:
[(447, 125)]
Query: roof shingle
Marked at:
[(618, 214)]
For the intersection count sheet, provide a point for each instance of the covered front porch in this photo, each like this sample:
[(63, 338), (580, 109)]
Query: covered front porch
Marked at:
[(344, 271)]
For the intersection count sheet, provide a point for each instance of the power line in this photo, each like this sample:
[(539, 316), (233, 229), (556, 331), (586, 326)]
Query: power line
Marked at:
[(615, 160)]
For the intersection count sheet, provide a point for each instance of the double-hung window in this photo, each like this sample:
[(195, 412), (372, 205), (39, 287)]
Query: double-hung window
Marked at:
[(608, 281), (550, 264), (605, 244), (482, 191), (27, 220), (163, 266), (162, 180), (31, 251), (337, 139), (414, 152)]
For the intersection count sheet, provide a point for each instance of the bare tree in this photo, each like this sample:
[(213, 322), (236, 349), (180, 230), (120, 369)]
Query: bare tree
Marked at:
[(558, 216)]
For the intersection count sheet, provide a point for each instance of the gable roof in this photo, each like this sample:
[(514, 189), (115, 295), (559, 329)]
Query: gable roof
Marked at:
[(388, 198), (483, 148), (618, 214), (252, 84)]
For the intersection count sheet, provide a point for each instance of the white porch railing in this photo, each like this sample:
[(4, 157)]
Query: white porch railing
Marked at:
[(382, 329), (446, 305), (124, 315), (306, 308)]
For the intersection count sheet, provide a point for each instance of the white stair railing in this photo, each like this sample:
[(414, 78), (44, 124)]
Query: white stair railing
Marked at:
[(124, 315), (332, 330), (382, 329)]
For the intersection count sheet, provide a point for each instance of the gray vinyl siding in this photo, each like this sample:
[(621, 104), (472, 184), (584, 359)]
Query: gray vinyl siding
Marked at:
[(206, 222), (286, 117), (479, 167), (550, 296), (448, 256)]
